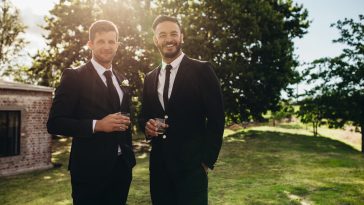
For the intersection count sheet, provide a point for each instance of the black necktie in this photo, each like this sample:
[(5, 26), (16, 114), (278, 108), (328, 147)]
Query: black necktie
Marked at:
[(166, 86), (113, 94)]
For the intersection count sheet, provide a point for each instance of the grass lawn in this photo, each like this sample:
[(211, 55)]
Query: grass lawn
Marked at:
[(256, 166)]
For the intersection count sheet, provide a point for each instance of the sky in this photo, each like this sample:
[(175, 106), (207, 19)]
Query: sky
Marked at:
[(32, 14), (315, 44)]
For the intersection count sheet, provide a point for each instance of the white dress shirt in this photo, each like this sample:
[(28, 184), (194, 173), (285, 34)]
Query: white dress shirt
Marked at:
[(162, 76)]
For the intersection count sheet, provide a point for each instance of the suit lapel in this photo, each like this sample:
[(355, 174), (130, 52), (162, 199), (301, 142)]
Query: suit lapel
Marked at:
[(96, 76), (180, 78), (126, 94), (100, 84), (155, 79), (97, 89)]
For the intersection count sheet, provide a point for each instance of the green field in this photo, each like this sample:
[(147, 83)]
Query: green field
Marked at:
[(261, 165)]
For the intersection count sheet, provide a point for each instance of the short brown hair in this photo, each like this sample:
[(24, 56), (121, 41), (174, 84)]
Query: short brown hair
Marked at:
[(162, 18), (102, 26)]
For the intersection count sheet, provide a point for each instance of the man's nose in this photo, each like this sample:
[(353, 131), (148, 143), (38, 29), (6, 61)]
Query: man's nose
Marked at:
[(169, 39), (108, 46)]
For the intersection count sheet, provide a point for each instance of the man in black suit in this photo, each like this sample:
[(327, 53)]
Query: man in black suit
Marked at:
[(185, 92), (87, 106)]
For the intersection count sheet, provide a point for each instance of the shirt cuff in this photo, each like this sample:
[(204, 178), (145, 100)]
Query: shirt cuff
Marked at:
[(93, 125)]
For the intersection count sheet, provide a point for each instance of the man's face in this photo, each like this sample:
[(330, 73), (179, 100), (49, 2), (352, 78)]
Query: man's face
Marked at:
[(168, 39), (104, 47)]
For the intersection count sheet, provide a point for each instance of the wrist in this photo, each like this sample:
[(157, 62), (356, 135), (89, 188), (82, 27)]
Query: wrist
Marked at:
[(97, 126)]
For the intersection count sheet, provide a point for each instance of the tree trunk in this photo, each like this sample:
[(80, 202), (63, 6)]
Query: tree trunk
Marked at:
[(314, 125)]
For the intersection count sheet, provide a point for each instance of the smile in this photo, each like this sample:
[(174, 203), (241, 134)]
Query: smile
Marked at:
[(170, 45)]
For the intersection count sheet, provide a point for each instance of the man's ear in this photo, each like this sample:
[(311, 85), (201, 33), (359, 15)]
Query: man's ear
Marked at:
[(90, 44), (155, 40), (182, 38)]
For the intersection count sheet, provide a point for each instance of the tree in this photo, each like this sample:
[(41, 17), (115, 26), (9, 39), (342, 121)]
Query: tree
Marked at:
[(250, 44), (340, 80), (285, 111), (11, 27), (310, 112)]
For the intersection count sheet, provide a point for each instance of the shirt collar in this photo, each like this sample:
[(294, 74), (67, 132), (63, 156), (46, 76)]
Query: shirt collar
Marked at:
[(175, 63), (99, 68)]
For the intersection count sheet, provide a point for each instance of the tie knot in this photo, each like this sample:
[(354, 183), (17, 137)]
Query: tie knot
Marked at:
[(107, 74), (168, 67)]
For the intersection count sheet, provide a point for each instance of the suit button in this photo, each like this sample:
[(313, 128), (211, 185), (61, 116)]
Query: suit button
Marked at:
[(164, 136), (166, 117)]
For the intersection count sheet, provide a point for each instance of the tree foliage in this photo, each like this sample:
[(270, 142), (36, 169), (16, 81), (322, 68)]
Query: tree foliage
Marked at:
[(310, 113), (11, 29), (340, 80), (249, 42), (285, 111)]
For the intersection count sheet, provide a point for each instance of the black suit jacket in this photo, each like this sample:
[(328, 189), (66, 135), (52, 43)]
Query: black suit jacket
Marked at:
[(80, 98), (195, 117)]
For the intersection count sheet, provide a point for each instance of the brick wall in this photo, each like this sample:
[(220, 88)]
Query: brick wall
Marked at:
[(35, 142)]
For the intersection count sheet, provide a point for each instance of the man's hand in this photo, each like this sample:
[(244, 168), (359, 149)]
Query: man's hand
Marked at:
[(112, 122), (151, 128)]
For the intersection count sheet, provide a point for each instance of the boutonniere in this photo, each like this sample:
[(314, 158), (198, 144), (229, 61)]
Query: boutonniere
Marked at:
[(124, 84)]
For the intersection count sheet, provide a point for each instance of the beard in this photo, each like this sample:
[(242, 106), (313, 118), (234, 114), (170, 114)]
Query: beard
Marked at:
[(172, 54)]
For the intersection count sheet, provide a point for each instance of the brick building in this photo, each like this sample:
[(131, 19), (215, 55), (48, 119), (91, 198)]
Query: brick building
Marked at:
[(25, 144)]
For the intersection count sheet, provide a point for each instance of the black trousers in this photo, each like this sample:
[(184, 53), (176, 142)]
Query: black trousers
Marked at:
[(111, 190), (184, 188)]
